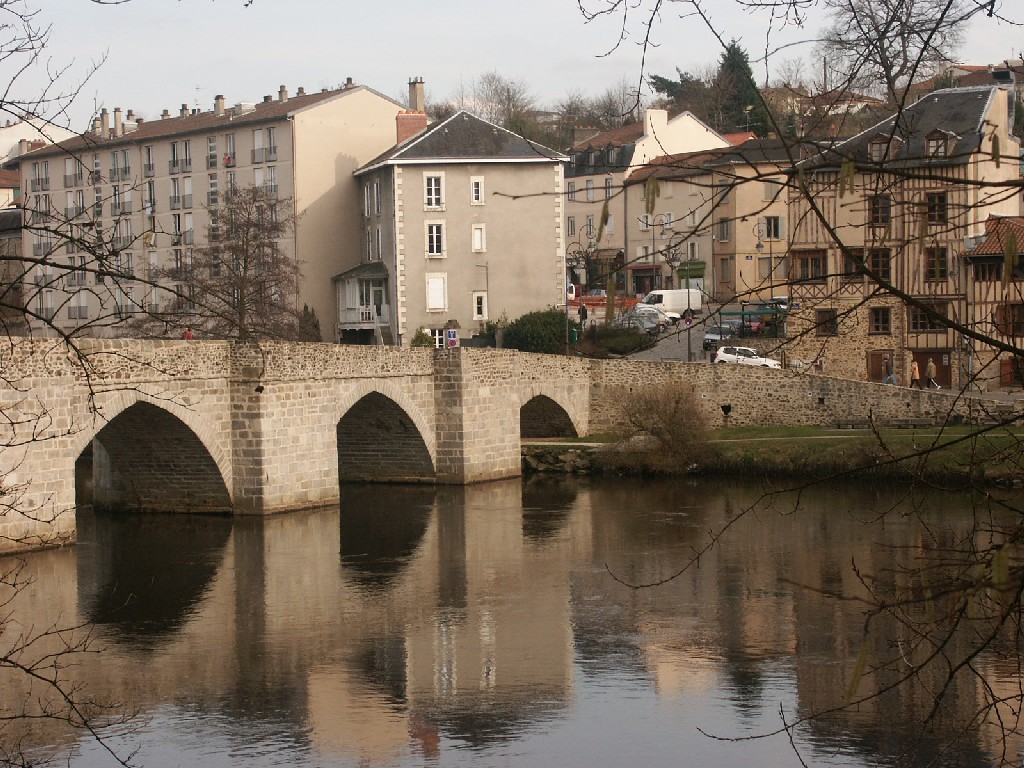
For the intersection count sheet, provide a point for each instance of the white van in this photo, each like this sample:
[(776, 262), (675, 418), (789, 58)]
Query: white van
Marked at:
[(685, 301)]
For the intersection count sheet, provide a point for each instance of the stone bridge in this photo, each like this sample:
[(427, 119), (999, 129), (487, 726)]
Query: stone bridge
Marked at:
[(247, 428)]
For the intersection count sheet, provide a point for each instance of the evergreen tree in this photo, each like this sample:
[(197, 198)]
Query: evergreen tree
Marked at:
[(742, 108)]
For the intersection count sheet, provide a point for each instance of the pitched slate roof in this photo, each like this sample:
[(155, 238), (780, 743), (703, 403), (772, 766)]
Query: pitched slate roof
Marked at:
[(464, 137), (959, 113), (613, 137), (201, 122)]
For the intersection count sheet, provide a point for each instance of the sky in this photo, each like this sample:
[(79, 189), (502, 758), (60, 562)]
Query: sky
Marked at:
[(160, 54)]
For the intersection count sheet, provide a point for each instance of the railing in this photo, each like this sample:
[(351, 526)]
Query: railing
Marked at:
[(187, 235), (175, 202), (186, 201), (186, 165), (173, 166), (149, 169), (229, 160), (40, 184), (272, 153), (367, 315), (259, 155), (73, 179)]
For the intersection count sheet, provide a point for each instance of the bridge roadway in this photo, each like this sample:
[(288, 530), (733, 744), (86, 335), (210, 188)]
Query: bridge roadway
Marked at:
[(258, 428)]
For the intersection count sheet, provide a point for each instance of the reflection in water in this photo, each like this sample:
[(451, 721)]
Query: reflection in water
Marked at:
[(143, 575), (498, 625)]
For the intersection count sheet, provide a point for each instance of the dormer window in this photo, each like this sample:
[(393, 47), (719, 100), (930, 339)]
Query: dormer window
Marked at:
[(935, 144), (876, 150)]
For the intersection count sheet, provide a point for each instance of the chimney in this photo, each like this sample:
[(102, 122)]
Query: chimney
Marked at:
[(183, 112), (218, 105), (96, 126), (408, 123), (165, 114), (417, 103), (349, 83), (267, 98), (282, 94), (104, 123), (118, 122), (302, 91)]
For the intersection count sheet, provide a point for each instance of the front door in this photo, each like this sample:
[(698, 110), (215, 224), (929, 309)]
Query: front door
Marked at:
[(377, 300), (876, 363)]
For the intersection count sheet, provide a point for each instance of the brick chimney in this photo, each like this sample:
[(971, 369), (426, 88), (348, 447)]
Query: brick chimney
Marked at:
[(413, 120), (218, 105)]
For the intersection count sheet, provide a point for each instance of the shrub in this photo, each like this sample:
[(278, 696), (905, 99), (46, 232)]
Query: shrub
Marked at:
[(618, 341), (661, 429), (421, 339), (542, 331)]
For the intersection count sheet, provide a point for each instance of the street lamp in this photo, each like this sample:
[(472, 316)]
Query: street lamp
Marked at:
[(577, 254), (673, 258)]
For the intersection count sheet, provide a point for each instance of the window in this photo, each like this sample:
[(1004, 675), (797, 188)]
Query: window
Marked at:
[(936, 265), (437, 292), (645, 253), (589, 226), (476, 190), (826, 322), (919, 320), (175, 201), (380, 245), (570, 226), (366, 200), (724, 229), (691, 251), (808, 265), (880, 320), (376, 197), (435, 240), (1010, 319), (725, 270), (876, 150), (186, 192), (229, 150), (79, 306), (853, 264), (879, 261), (935, 145), (936, 204), (571, 191), (772, 189), (212, 194), (988, 272), (479, 238), (773, 227), (433, 195), (211, 151), (479, 305), (608, 188), (590, 190), (879, 210), (369, 245), (645, 222)]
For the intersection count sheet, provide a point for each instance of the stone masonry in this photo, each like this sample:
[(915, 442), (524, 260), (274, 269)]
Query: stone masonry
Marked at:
[(248, 428)]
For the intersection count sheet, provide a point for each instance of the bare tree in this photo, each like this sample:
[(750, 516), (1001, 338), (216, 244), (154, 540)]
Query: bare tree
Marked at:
[(243, 284)]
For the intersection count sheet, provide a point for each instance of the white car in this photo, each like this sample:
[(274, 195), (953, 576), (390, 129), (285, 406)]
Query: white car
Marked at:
[(657, 314), (745, 356)]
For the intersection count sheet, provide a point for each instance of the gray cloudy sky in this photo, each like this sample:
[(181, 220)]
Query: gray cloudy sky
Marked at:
[(163, 53)]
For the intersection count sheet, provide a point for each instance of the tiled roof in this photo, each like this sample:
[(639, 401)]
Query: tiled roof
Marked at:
[(464, 137), (753, 152), (997, 232), (10, 179), (200, 122), (613, 137), (957, 112), (367, 270), (739, 138)]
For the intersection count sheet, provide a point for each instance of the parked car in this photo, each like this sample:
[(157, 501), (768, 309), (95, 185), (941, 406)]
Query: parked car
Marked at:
[(642, 323), (660, 315), (745, 356), (714, 335), (598, 293)]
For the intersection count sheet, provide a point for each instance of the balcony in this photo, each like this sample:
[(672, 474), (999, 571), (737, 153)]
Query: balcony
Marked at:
[(272, 153), (270, 191), (187, 236), (73, 179), (149, 169), (173, 166), (72, 211), (259, 155), (41, 184), (362, 317), (229, 160), (95, 178), (175, 202), (149, 206), (186, 165), (121, 241), (186, 201)]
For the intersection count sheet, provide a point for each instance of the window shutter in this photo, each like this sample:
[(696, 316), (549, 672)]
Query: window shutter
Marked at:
[(436, 294)]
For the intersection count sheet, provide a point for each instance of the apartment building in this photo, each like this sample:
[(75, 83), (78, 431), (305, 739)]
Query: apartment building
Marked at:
[(722, 208), (595, 183), (461, 224), (899, 203), (133, 197)]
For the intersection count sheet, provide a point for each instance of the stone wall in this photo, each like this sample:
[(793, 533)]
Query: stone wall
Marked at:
[(764, 396)]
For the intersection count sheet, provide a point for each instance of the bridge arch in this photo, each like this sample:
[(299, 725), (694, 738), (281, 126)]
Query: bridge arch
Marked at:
[(382, 435), (153, 455), (549, 414)]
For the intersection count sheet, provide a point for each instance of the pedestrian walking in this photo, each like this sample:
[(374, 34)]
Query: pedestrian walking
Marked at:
[(929, 375), (890, 377), (915, 375), (187, 335), (583, 313)]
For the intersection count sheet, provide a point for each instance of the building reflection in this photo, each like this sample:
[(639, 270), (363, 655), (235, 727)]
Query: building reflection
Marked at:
[(415, 620)]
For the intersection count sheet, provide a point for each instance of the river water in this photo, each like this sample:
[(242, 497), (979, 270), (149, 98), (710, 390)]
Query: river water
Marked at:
[(498, 625)]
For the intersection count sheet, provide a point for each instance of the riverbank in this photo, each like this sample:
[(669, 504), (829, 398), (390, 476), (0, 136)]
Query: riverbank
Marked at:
[(948, 456)]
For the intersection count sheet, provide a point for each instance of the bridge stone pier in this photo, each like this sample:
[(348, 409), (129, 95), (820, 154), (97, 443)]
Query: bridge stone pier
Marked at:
[(258, 428)]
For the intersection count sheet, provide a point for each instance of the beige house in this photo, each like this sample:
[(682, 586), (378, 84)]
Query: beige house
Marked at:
[(461, 224), (595, 182), (140, 194), (903, 198), (725, 208)]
